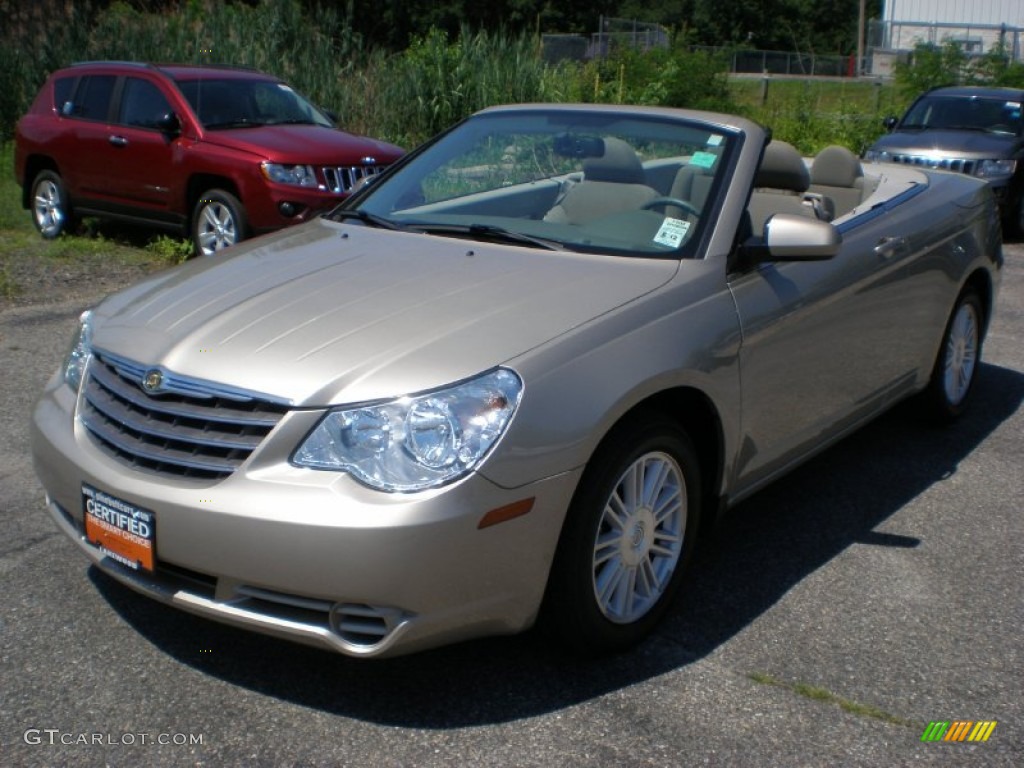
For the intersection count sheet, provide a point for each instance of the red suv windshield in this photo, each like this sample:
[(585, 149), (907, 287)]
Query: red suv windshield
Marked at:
[(233, 103)]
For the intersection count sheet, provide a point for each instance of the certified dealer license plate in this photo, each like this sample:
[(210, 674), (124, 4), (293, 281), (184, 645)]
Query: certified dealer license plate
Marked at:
[(123, 531)]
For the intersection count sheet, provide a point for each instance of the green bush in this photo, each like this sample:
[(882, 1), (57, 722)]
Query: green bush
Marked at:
[(931, 66), (665, 77)]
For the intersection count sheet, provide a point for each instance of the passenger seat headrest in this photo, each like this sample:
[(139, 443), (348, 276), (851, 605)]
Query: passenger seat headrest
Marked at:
[(618, 164), (836, 166), (782, 168)]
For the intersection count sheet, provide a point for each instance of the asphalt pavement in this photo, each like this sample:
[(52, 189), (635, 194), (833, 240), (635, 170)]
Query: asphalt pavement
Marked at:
[(836, 614)]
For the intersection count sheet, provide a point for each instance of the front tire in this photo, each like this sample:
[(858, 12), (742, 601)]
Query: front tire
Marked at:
[(51, 211), (956, 367), (218, 222), (627, 540)]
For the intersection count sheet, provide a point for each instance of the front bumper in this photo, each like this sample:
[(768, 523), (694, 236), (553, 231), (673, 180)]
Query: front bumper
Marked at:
[(279, 205), (313, 556)]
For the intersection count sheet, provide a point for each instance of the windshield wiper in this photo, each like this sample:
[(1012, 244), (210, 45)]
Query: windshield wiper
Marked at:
[(490, 233), (370, 219)]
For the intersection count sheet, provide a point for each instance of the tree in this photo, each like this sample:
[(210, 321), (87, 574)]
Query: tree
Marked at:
[(814, 26)]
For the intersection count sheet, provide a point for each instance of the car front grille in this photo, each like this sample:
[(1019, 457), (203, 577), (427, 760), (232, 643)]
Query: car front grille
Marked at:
[(341, 179), (187, 427), (957, 164)]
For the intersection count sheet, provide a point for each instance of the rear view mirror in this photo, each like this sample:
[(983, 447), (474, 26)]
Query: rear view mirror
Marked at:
[(571, 145)]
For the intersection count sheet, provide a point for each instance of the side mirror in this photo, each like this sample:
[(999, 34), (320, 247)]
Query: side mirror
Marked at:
[(331, 115), (788, 237), (800, 238), (169, 124), (890, 122)]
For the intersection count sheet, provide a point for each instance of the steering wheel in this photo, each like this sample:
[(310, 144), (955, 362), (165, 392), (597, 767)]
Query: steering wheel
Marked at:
[(659, 201)]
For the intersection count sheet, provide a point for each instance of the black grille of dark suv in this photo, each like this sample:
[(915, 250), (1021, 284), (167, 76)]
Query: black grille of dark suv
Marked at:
[(956, 164), (188, 427)]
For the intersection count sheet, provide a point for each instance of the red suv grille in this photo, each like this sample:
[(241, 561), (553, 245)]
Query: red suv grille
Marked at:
[(341, 179)]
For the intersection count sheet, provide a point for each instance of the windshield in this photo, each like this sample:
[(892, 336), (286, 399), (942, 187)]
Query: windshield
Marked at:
[(584, 180), (976, 113), (235, 103)]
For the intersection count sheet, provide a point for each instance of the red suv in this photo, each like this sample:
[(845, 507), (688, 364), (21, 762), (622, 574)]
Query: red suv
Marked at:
[(216, 152)]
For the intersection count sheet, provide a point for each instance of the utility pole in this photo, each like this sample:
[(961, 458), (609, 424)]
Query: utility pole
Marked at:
[(858, 68)]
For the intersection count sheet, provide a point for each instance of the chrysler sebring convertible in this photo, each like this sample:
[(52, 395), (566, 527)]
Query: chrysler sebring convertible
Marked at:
[(510, 380)]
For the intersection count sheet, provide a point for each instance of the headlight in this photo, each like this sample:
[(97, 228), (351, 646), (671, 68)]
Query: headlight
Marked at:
[(297, 175), (994, 169), (418, 442), (81, 349)]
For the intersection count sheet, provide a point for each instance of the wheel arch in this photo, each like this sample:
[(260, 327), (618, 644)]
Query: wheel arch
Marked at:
[(981, 282), (34, 165), (564, 608), (695, 413), (201, 183)]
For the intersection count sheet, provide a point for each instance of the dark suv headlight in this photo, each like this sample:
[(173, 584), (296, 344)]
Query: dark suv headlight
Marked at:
[(995, 169)]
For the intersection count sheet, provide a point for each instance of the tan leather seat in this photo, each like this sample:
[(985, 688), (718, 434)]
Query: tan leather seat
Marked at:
[(837, 173), (693, 184), (779, 187), (611, 183)]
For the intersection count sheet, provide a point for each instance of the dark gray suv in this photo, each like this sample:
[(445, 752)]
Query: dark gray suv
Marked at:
[(970, 130)]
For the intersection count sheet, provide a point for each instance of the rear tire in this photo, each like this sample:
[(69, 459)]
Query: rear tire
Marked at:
[(956, 367), (51, 211), (627, 540), (218, 222)]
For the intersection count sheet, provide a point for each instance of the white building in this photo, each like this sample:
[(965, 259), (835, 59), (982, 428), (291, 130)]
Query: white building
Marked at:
[(978, 25)]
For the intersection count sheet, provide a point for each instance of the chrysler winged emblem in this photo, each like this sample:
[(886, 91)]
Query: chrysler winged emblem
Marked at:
[(152, 380)]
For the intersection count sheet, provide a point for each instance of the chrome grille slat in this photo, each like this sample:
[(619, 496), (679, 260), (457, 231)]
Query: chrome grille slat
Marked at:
[(341, 179), (158, 428), (128, 445), (190, 427), (125, 390), (133, 374), (955, 164)]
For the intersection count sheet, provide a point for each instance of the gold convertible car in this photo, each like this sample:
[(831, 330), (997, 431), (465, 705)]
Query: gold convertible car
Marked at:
[(511, 378)]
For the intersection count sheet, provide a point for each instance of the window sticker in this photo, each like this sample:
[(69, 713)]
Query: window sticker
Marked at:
[(714, 140), (703, 159), (672, 232)]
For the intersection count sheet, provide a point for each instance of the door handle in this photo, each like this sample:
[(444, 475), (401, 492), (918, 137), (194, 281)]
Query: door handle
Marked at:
[(118, 141), (888, 247)]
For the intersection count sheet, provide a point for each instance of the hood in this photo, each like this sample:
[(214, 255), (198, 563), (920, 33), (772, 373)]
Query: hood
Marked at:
[(966, 144), (313, 144), (329, 313)]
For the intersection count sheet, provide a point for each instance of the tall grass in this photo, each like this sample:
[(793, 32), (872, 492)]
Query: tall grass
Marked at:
[(438, 81), (811, 114)]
